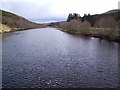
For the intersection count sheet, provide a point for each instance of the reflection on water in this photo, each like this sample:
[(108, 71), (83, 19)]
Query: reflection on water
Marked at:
[(50, 58)]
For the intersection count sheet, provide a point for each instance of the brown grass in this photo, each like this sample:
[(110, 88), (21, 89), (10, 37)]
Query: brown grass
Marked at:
[(84, 28)]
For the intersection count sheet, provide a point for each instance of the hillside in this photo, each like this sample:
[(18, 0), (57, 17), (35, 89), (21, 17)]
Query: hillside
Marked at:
[(115, 14), (16, 22), (112, 11)]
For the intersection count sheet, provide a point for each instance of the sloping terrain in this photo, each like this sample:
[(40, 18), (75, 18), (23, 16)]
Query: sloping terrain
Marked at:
[(16, 22), (104, 26), (112, 11)]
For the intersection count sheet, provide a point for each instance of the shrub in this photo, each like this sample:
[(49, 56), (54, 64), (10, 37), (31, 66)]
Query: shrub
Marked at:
[(63, 25), (76, 26)]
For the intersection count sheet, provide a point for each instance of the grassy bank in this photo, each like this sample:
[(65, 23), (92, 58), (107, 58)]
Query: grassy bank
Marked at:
[(6, 29), (111, 35), (74, 27), (10, 22)]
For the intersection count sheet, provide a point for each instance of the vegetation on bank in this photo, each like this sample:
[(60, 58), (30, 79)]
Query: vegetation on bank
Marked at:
[(4, 28), (104, 26), (15, 22)]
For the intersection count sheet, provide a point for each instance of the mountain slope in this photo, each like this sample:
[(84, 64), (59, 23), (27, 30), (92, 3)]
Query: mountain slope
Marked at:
[(16, 22), (112, 11)]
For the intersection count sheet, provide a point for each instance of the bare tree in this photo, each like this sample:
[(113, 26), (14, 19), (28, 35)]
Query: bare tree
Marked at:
[(105, 22), (74, 25), (63, 25), (86, 25), (118, 24)]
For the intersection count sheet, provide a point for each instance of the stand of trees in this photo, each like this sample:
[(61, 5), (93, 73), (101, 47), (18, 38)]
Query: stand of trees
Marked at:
[(99, 20)]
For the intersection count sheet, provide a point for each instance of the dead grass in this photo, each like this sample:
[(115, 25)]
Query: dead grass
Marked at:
[(4, 28), (85, 29)]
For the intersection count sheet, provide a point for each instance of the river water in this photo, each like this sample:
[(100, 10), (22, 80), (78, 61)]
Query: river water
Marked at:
[(47, 57)]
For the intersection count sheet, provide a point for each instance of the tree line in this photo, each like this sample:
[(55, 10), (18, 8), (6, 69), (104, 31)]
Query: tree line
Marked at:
[(111, 20)]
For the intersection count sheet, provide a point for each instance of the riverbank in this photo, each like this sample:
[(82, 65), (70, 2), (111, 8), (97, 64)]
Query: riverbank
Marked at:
[(101, 33), (4, 28), (10, 22), (7, 29), (103, 26)]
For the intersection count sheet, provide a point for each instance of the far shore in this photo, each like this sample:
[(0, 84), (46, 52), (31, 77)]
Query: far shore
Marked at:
[(6, 29)]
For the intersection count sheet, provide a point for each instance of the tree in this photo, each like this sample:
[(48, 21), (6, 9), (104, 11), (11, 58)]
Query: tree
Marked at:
[(74, 25), (63, 25), (74, 16), (118, 24), (70, 17), (77, 26), (106, 22)]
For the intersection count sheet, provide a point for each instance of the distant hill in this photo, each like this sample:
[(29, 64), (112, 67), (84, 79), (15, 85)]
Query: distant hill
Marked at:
[(112, 11), (16, 22), (115, 14)]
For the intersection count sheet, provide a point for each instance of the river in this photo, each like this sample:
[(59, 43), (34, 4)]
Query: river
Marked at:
[(47, 57)]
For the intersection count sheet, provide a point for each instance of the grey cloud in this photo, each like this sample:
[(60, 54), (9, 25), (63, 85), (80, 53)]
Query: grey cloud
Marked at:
[(28, 10)]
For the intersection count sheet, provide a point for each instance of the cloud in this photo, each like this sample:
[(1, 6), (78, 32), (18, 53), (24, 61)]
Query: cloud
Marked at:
[(42, 9), (28, 9)]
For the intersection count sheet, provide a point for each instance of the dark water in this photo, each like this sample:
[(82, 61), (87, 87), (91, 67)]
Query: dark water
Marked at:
[(50, 58)]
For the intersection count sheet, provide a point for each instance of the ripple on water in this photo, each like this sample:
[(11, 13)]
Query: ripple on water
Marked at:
[(51, 58)]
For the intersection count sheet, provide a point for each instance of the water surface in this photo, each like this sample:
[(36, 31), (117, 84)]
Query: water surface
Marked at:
[(48, 57)]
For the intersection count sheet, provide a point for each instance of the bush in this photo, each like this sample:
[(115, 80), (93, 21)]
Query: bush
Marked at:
[(76, 26), (63, 25)]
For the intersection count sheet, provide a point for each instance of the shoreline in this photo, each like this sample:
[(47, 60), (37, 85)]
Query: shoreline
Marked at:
[(102, 37), (19, 29)]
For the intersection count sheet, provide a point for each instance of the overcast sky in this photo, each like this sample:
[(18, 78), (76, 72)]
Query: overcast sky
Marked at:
[(42, 9)]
